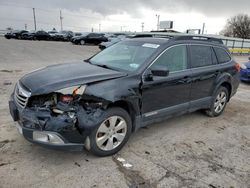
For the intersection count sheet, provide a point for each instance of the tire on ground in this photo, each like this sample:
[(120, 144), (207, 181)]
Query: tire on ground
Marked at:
[(115, 111), (211, 112)]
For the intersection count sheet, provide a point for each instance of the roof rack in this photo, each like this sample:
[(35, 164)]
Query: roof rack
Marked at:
[(179, 36), (162, 36), (199, 38)]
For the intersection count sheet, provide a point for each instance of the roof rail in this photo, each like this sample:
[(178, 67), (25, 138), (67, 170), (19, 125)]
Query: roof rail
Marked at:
[(199, 38)]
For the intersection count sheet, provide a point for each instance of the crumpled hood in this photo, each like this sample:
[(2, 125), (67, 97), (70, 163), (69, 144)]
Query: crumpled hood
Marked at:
[(55, 77)]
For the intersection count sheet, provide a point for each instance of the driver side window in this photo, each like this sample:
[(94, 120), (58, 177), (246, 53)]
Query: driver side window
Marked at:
[(175, 59)]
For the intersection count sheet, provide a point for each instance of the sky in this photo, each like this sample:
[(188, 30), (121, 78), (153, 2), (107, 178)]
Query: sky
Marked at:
[(119, 15)]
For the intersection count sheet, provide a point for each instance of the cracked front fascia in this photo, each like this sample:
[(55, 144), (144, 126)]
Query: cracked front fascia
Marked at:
[(88, 108), (73, 129)]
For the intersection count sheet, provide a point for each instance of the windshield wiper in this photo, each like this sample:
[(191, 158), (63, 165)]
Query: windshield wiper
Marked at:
[(104, 66), (87, 61), (100, 65)]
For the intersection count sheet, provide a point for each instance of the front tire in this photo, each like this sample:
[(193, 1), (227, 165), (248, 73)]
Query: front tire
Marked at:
[(112, 133), (82, 42), (219, 102)]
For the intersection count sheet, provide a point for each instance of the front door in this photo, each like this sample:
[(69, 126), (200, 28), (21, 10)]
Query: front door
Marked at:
[(163, 96)]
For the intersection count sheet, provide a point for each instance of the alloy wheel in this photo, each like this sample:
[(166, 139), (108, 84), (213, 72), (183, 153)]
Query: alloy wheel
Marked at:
[(111, 133), (220, 102)]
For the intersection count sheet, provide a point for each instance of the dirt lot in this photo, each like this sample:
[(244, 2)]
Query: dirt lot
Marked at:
[(188, 151)]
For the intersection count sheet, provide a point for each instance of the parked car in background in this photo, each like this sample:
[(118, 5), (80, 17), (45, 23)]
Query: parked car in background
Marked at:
[(16, 34), (90, 38), (28, 36), (41, 35), (245, 71), (52, 34), (111, 40), (63, 36), (71, 106), (77, 34)]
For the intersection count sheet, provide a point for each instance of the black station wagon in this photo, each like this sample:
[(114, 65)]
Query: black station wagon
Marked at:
[(98, 103)]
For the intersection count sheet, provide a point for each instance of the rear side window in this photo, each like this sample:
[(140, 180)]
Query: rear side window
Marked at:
[(222, 55), (174, 59), (201, 56)]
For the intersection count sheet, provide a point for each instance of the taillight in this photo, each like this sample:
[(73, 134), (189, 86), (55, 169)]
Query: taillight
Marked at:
[(237, 67)]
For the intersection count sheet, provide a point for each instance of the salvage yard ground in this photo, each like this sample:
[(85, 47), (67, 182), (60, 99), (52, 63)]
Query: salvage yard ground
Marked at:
[(188, 151)]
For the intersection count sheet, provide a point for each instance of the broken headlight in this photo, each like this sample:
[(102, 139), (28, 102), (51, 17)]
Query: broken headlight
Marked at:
[(74, 90)]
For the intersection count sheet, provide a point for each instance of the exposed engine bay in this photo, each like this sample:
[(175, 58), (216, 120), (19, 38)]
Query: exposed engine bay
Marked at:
[(66, 114)]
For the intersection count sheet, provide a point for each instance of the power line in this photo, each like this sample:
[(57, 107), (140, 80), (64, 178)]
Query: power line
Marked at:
[(36, 11), (43, 23), (68, 14), (14, 5)]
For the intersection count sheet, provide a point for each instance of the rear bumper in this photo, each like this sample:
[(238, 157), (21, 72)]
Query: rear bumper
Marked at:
[(67, 138)]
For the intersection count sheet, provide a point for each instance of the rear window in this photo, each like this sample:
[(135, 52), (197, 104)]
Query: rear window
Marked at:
[(201, 56), (222, 55)]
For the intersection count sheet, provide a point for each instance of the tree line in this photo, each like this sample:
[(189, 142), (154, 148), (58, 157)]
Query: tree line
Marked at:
[(237, 26)]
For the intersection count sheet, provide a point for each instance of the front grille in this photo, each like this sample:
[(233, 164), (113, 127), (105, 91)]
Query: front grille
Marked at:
[(21, 96)]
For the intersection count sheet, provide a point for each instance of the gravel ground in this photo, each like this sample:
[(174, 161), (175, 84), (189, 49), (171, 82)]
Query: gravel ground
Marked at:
[(188, 151)]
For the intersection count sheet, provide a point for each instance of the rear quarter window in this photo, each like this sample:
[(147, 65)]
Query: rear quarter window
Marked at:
[(222, 55), (201, 56)]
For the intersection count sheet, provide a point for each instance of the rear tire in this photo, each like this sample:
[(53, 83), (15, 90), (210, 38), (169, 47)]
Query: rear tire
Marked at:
[(112, 133), (82, 42), (219, 102)]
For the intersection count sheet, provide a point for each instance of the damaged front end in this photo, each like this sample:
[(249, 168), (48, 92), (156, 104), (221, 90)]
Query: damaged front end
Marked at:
[(62, 119)]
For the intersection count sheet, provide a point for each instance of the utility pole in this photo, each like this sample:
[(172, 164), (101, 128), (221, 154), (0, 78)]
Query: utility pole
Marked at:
[(25, 26), (158, 21), (122, 27), (61, 18), (142, 26), (34, 16), (99, 27), (203, 28)]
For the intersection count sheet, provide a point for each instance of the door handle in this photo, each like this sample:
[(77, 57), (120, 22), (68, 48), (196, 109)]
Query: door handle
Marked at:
[(185, 79), (218, 71)]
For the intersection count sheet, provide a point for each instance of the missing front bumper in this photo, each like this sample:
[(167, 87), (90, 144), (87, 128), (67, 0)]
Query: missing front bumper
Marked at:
[(57, 134)]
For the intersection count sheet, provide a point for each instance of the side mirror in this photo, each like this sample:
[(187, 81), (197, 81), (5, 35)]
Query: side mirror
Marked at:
[(161, 71)]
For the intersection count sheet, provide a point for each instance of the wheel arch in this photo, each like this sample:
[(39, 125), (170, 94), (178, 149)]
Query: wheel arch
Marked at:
[(225, 80), (229, 88), (128, 107)]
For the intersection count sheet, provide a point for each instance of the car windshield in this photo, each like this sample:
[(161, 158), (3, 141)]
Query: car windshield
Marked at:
[(63, 32), (125, 56), (84, 34)]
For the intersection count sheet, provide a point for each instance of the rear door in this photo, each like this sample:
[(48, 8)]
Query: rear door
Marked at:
[(204, 73), (93, 37)]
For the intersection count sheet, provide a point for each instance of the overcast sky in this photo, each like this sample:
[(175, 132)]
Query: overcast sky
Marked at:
[(117, 15)]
